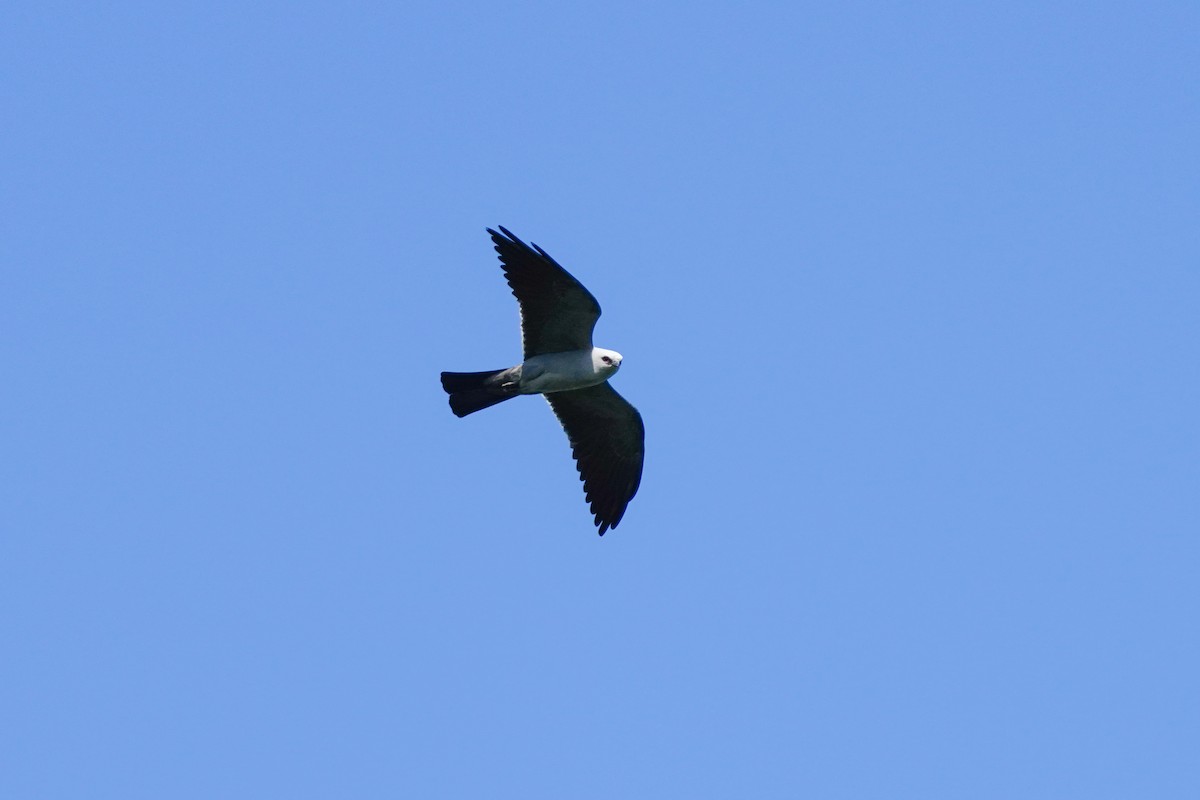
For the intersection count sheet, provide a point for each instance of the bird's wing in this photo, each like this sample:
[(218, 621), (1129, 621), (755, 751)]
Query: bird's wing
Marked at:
[(557, 312), (608, 442)]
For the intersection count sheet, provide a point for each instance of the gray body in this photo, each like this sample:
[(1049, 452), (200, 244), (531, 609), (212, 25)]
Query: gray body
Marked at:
[(563, 372)]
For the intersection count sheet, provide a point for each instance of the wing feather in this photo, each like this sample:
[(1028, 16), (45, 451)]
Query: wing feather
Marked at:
[(608, 441), (557, 313)]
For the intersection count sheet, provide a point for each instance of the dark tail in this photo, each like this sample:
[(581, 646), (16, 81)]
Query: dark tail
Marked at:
[(474, 391)]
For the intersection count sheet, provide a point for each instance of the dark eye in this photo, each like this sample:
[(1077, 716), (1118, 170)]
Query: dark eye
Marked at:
[(606, 359)]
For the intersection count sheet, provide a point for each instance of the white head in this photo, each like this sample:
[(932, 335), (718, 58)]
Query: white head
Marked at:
[(605, 362)]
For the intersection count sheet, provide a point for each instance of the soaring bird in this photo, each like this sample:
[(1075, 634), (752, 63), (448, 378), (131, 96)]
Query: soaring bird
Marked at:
[(557, 318)]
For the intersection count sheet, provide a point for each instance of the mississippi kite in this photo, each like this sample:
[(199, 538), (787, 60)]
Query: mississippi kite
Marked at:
[(557, 317)]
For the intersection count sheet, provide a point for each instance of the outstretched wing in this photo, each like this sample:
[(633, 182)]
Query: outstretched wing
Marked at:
[(557, 312), (608, 441)]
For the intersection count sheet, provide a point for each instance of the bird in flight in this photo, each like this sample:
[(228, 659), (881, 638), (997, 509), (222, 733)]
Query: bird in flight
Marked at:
[(557, 317)]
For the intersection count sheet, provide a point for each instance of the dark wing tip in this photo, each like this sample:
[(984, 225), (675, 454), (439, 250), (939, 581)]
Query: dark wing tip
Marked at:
[(505, 236), (510, 247)]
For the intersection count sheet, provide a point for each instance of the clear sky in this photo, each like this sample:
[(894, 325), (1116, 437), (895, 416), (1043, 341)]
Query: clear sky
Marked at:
[(909, 298)]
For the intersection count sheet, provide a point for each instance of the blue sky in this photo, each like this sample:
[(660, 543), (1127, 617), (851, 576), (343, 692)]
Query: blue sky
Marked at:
[(907, 295)]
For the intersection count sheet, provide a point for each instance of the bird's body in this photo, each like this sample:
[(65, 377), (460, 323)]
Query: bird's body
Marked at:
[(557, 317), (562, 372)]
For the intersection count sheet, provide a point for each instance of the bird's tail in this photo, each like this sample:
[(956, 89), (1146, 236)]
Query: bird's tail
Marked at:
[(474, 391)]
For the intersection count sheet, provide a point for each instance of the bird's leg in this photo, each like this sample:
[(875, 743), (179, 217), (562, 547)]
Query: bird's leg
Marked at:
[(509, 381)]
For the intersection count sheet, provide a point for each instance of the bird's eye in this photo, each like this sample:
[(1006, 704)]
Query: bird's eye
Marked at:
[(606, 359)]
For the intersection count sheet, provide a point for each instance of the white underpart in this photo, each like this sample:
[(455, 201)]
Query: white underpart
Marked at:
[(561, 372)]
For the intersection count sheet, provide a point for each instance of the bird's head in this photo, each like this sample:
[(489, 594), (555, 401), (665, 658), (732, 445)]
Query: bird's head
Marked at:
[(606, 362)]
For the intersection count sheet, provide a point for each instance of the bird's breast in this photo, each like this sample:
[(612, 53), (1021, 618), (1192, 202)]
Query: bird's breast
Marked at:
[(559, 372)]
